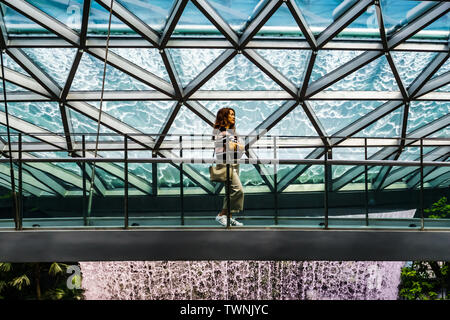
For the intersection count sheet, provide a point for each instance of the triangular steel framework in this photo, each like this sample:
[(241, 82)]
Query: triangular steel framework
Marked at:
[(43, 88)]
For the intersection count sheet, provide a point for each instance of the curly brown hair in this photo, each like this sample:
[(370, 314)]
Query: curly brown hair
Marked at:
[(222, 118)]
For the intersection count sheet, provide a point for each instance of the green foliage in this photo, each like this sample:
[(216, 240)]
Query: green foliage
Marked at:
[(424, 280), (439, 210), (30, 281), (427, 280)]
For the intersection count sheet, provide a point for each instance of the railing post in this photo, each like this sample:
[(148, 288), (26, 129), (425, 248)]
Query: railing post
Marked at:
[(325, 200), (275, 178), (126, 179), (181, 182), (19, 200), (228, 190), (422, 223), (366, 184), (83, 168)]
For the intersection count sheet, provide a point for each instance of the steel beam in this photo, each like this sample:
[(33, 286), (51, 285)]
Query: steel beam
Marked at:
[(217, 21), (272, 72), (434, 84), (172, 72), (218, 43), (341, 72), (342, 22), (172, 21), (34, 71), (209, 72), (134, 71), (438, 154), (389, 152), (28, 179), (303, 25), (259, 21), (366, 121), (427, 73), (418, 24), (44, 20), (167, 124), (132, 95), (131, 21)]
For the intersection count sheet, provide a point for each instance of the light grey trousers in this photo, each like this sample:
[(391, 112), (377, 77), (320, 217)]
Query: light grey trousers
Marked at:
[(236, 192)]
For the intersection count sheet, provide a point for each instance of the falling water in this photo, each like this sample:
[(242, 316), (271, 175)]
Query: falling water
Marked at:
[(241, 280)]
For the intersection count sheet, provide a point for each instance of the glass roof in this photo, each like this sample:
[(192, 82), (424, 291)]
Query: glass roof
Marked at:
[(354, 68)]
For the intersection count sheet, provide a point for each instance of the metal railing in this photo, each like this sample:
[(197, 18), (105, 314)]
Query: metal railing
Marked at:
[(21, 154)]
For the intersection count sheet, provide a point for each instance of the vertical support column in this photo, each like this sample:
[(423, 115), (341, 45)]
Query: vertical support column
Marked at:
[(181, 182), (366, 184), (125, 141), (421, 185), (275, 178), (83, 168), (20, 200), (154, 176), (228, 190), (325, 200)]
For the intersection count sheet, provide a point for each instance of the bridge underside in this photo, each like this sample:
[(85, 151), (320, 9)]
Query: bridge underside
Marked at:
[(221, 244)]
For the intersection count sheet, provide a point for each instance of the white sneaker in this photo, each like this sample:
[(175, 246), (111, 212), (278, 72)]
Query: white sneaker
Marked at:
[(236, 223), (222, 219)]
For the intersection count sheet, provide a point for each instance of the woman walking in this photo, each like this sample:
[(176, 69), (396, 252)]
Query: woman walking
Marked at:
[(224, 131)]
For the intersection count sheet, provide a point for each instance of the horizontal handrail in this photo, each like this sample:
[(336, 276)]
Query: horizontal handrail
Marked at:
[(237, 161)]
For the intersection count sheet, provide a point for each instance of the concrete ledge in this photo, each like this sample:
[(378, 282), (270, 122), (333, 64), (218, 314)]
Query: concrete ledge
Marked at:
[(221, 244)]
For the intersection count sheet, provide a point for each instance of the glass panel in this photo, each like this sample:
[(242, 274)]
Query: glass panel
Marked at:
[(319, 14), (443, 133), (438, 30), (335, 115), (249, 114), (6, 199), (443, 69), (42, 114), (365, 26), (68, 12), (154, 13), (186, 122), (192, 21), (190, 62), (16, 23), (10, 87), (54, 200), (237, 13), (56, 62), (445, 88), (84, 125), (424, 112), (388, 126), (148, 59), (240, 74), (304, 209), (295, 123), (376, 76), (280, 24), (398, 13), (145, 116), (291, 63), (436, 197), (89, 77), (99, 21), (391, 202), (329, 60), (410, 64), (107, 204), (11, 64), (347, 204)]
